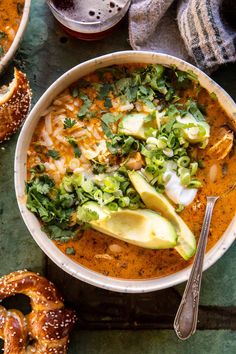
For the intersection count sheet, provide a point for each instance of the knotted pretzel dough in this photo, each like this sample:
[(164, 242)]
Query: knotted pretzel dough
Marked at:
[(47, 325)]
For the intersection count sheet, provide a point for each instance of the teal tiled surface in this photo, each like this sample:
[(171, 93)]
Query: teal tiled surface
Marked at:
[(17, 248), (152, 342), (219, 282)]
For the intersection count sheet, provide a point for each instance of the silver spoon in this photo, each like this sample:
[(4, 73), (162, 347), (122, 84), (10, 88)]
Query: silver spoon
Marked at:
[(185, 322)]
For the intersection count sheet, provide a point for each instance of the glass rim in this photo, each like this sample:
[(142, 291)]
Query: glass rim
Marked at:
[(113, 20)]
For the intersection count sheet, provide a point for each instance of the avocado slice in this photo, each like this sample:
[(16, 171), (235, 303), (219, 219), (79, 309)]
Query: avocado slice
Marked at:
[(193, 130), (133, 124), (186, 243), (143, 228)]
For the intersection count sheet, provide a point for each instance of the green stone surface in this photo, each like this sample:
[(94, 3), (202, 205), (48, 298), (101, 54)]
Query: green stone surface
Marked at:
[(45, 53), (152, 342)]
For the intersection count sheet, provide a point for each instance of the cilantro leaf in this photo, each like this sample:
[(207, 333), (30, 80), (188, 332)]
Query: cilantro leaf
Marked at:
[(86, 215), (106, 130), (74, 143), (84, 109), (123, 145), (57, 233), (109, 118), (2, 35), (104, 90), (193, 108), (69, 123), (107, 102), (54, 154), (70, 251)]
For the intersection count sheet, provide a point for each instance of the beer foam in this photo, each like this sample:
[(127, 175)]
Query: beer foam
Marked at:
[(90, 10)]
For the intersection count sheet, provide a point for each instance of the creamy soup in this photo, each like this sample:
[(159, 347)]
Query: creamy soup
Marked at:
[(10, 16), (84, 144)]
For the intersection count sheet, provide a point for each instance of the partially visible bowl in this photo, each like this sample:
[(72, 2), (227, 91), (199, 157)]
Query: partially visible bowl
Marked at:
[(16, 42), (64, 262)]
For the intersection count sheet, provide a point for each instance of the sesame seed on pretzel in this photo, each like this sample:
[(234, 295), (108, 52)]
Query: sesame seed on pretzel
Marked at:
[(49, 323), (13, 331), (14, 105)]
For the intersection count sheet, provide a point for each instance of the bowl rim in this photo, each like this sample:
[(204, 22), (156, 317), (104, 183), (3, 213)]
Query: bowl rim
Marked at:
[(50, 249), (17, 39)]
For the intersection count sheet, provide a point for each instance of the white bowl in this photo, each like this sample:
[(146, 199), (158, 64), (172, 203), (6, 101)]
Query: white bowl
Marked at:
[(19, 34), (64, 262)]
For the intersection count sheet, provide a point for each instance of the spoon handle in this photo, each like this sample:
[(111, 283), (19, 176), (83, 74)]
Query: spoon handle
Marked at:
[(185, 322)]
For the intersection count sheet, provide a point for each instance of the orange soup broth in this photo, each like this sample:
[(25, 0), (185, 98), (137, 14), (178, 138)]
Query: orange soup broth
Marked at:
[(96, 251), (10, 17)]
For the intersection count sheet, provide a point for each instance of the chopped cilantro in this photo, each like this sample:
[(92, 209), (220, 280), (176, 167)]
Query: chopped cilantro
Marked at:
[(86, 215), (106, 130), (20, 8), (104, 90), (109, 118), (98, 168), (172, 111), (180, 208), (69, 123), (1, 50), (193, 108), (150, 117), (85, 107), (75, 90), (2, 34), (54, 154), (70, 251), (213, 96), (58, 234), (107, 102), (74, 143), (38, 168), (123, 145)]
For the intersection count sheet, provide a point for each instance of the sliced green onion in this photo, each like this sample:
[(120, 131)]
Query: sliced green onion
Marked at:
[(107, 198), (168, 152), (119, 177), (135, 199), (134, 206), (78, 179), (183, 161), (111, 185), (180, 151), (118, 193), (152, 141), (162, 142), (194, 183), (113, 206), (124, 202), (171, 142), (98, 195), (123, 186), (87, 186), (184, 176), (180, 208), (193, 168), (67, 184), (131, 192)]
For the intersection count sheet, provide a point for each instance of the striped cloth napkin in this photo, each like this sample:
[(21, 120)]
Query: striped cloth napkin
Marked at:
[(200, 31)]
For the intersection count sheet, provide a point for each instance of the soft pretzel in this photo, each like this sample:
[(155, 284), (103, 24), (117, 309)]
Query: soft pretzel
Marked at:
[(49, 323), (14, 104), (13, 331)]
